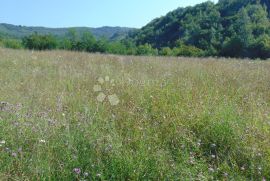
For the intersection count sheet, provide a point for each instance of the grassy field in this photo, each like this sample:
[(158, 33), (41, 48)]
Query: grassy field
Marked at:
[(78, 116)]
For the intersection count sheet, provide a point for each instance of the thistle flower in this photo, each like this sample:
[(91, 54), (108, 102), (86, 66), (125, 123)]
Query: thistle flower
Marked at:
[(77, 171)]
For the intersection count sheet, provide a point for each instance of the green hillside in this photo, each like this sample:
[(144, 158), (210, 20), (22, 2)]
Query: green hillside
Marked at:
[(18, 32), (228, 28)]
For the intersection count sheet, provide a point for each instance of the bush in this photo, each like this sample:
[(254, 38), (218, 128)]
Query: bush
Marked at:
[(146, 49), (187, 51), (100, 46), (117, 48), (65, 44), (40, 42), (166, 51), (261, 47), (11, 43), (233, 47)]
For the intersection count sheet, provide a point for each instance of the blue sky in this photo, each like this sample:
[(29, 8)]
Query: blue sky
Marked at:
[(91, 13)]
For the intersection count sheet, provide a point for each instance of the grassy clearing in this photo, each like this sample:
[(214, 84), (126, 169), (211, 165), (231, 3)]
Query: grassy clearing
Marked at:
[(161, 119)]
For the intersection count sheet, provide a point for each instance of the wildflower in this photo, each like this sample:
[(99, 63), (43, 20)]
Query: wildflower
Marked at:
[(199, 143), (226, 174), (101, 97), (191, 161), (113, 99), (101, 80), (213, 145), (213, 156), (77, 171), (211, 169), (86, 174), (98, 175), (42, 141), (14, 154), (97, 88), (2, 142), (242, 168)]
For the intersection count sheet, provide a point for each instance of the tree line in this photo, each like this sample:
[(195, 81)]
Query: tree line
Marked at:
[(88, 43)]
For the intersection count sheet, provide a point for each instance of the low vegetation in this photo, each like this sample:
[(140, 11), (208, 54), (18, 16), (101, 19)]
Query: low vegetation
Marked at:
[(79, 116)]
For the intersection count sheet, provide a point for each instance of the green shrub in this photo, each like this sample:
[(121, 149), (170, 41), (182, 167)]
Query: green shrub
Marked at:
[(39, 42), (11, 43), (261, 47), (146, 49), (187, 51), (166, 51)]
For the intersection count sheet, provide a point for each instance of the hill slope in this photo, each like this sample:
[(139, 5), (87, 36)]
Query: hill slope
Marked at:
[(210, 26), (14, 31)]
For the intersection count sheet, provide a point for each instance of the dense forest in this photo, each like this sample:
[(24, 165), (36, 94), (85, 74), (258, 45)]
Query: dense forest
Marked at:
[(229, 28)]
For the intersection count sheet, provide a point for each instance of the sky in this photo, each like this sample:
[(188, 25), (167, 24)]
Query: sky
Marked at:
[(89, 13)]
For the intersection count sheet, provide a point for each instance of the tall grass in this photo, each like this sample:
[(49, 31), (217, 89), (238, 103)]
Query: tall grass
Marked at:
[(168, 118)]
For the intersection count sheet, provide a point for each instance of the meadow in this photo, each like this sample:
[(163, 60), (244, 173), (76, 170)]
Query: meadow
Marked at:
[(80, 116)]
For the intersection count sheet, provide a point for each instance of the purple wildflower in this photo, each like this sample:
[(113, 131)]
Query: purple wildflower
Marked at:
[(77, 170)]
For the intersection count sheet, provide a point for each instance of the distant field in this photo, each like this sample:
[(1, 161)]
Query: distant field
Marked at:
[(78, 116)]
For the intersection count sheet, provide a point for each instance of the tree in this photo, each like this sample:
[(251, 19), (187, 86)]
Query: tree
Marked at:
[(187, 51), (101, 46), (166, 51), (146, 49), (117, 48), (261, 47), (88, 41), (39, 42), (12, 43)]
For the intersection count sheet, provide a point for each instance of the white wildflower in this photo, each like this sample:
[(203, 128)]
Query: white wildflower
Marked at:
[(2, 142), (211, 169), (113, 99), (101, 97), (101, 80), (97, 88), (42, 141)]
